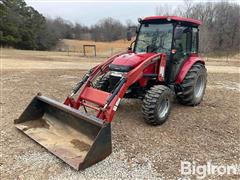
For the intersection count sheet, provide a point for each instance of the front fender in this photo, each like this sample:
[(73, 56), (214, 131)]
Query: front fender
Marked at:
[(187, 66)]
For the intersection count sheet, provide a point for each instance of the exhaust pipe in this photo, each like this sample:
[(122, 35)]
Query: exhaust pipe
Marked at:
[(78, 139)]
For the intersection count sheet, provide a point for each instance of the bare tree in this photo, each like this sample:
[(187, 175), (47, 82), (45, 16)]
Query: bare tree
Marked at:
[(164, 10), (220, 29), (186, 8), (108, 29)]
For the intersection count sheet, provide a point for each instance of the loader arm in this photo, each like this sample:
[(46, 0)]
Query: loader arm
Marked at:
[(104, 103)]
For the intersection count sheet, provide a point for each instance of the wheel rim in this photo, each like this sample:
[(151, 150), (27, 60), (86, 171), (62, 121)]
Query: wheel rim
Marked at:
[(199, 87), (163, 108)]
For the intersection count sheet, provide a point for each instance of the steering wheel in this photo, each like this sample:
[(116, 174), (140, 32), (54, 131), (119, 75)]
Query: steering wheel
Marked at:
[(158, 47)]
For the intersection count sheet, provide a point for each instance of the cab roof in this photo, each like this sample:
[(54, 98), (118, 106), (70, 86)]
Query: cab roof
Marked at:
[(175, 18)]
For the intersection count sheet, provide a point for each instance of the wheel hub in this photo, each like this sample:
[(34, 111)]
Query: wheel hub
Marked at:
[(163, 108), (199, 87)]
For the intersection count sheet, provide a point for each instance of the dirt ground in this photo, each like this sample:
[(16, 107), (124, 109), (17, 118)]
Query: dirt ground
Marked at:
[(208, 132)]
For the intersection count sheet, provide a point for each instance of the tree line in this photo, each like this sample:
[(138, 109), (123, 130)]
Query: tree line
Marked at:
[(107, 29), (220, 31)]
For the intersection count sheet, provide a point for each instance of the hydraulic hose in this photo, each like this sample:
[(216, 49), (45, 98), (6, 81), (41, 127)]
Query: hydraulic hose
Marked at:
[(122, 81), (77, 86)]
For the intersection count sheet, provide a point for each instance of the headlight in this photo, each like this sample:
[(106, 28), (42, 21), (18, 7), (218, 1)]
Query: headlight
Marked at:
[(116, 73)]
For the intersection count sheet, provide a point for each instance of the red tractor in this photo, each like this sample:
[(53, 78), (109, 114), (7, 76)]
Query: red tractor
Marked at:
[(162, 64)]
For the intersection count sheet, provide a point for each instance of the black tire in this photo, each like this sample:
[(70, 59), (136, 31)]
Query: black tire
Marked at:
[(193, 85), (102, 83), (157, 104)]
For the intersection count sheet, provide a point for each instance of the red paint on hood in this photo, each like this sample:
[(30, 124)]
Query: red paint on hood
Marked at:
[(131, 59)]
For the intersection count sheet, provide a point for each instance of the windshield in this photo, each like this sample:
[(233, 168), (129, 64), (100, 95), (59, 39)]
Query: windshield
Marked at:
[(154, 38)]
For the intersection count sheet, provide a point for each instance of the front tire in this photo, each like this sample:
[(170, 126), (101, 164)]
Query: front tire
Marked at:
[(157, 104), (193, 85)]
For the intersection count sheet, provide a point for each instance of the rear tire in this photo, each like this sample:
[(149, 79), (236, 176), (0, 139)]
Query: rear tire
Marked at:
[(157, 104), (193, 85)]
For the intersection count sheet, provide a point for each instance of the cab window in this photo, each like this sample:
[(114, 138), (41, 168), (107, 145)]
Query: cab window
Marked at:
[(182, 41), (154, 38), (194, 40)]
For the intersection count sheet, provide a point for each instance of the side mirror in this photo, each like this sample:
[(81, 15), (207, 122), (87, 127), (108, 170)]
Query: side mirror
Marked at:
[(178, 32), (129, 36)]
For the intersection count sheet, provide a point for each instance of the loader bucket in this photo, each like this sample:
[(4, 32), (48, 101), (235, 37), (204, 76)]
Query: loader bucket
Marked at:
[(75, 137)]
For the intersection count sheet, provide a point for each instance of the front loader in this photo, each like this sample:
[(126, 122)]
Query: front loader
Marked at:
[(162, 64)]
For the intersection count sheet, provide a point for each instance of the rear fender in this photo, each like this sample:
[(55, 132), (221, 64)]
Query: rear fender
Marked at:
[(187, 66)]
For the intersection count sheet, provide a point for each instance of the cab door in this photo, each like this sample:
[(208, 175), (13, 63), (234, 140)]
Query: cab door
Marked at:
[(181, 50)]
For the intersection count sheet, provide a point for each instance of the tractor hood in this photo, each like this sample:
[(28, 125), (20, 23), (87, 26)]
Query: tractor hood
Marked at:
[(128, 61)]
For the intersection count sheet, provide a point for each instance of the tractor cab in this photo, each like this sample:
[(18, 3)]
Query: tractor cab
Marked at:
[(177, 37), (166, 34)]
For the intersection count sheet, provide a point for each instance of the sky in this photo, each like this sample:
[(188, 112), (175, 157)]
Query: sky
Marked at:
[(88, 12)]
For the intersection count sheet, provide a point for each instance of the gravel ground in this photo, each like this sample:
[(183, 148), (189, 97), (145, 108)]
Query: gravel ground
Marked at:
[(206, 132)]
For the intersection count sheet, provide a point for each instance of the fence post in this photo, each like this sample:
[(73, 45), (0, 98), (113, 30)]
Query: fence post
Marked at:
[(95, 50)]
